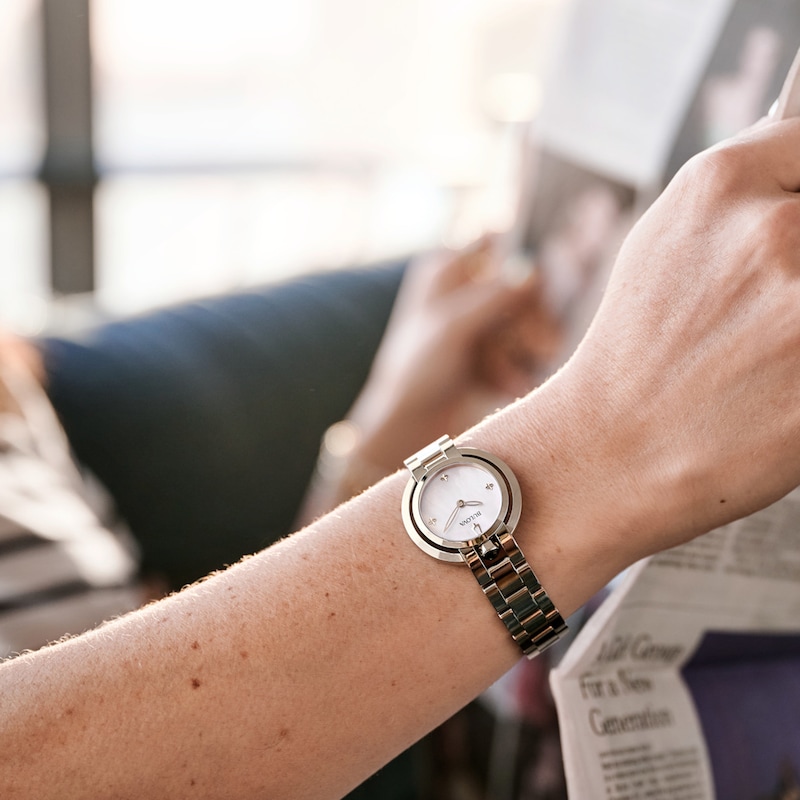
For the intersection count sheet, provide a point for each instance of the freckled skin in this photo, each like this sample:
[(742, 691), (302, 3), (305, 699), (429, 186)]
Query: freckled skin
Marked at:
[(628, 443)]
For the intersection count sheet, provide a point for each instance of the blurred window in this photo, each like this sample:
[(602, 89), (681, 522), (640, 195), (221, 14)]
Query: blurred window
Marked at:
[(244, 141), (24, 284)]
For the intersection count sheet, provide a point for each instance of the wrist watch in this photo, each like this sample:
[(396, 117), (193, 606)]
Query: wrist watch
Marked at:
[(462, 505)]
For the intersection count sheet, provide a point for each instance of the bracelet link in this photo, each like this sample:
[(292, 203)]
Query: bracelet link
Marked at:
[(516, 595), (430, 457)]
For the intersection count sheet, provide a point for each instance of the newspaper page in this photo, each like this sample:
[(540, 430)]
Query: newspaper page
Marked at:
[(685, 685), (637, 87), (623, 77), (746, 71)]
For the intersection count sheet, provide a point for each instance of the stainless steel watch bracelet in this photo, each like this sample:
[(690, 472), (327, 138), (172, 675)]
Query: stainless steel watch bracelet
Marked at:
[(517, 596)]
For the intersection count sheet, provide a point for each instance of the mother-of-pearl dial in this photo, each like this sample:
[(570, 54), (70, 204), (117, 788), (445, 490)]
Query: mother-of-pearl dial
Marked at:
[(460, 502)]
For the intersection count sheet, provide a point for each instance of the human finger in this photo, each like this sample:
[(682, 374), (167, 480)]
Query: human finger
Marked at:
[(481, 307), (518, 353)]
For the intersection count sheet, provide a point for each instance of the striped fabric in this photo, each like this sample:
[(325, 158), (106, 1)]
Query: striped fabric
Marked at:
[(63, 569)]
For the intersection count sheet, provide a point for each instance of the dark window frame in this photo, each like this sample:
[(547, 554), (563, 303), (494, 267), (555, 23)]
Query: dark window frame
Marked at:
[(68, 168)]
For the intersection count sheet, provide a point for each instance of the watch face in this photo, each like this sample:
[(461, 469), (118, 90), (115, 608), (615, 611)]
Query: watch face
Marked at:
[(460, 502), (465, 498)]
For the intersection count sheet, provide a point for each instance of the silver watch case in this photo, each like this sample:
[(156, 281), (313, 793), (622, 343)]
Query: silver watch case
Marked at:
[(449, 550)]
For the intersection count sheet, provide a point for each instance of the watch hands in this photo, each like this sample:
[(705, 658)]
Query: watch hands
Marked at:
[(461, 504)]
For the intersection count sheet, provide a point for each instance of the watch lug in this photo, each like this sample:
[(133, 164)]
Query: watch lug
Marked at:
[(430, 457)]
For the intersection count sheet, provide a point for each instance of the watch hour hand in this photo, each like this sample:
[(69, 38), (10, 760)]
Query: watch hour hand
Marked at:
[(473, 503)]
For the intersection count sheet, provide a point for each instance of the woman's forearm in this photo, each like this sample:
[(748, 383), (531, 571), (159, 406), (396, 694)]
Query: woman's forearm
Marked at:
[(299, 671)]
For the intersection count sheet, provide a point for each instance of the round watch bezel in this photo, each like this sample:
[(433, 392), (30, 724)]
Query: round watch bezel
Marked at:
[(448, 549)]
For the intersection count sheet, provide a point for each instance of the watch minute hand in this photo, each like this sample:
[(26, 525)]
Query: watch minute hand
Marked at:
[(453, 515)]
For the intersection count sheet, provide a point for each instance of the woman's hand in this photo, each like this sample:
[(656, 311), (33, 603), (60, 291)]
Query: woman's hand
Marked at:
[(463, 340), (687, 384)]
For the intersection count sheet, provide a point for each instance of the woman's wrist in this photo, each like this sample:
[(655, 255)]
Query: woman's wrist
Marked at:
[(582, 523), (578, 529)]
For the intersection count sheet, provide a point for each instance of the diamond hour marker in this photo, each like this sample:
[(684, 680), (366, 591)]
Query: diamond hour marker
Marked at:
[(444, 478), (490, 486)]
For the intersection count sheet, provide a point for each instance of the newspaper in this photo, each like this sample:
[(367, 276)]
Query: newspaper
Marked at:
[(638, 86), (685, 683)]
